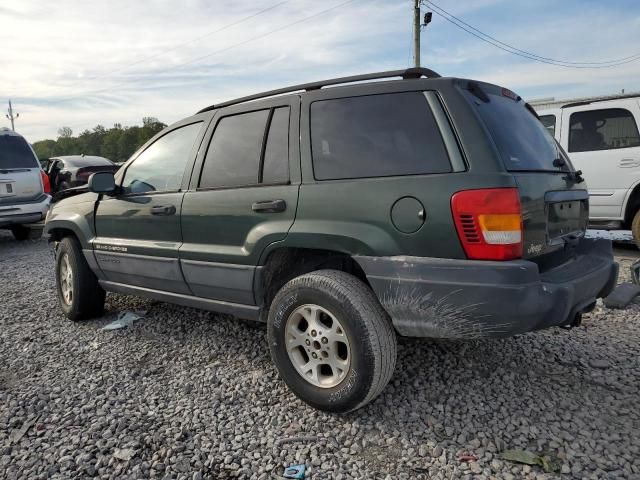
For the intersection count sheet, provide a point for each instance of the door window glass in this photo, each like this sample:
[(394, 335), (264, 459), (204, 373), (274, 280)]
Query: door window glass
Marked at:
[(161, 166), (233, 158), (376, 136), (276, 154), (605, 129), (549, 122)]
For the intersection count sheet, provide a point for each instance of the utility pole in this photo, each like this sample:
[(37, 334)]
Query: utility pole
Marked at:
[(12, 117), (416, 33)]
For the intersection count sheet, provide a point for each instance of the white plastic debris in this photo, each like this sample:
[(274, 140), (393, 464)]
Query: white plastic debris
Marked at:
[(125, 319)]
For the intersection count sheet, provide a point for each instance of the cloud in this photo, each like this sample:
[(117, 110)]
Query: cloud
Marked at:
[(85, 63)]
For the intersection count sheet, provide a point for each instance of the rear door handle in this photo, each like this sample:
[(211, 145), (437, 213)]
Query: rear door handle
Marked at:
[(629, 163), (269, 206), (163, 210)]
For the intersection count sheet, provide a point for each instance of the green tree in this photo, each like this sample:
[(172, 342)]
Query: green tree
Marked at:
[(117, 143)]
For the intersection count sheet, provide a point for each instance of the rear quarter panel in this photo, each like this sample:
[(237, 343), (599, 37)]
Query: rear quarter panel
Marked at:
[(354, 216)]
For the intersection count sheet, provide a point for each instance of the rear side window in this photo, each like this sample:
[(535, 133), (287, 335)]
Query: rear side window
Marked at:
[(376, 136), (161, 166), (276, 153), (240, 154), (16, 153), (524, 143), (549, 122), (605, 129)]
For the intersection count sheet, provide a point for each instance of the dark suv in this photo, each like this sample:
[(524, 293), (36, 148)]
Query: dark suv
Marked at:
[(424, 207)]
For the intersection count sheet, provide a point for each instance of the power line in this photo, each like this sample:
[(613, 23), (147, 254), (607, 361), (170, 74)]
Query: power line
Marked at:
[(523, 53), (180, 45), (222, 50)]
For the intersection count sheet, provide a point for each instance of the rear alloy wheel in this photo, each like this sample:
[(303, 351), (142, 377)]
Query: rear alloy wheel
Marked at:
[(317, 346), (331, 341), (79, 294)]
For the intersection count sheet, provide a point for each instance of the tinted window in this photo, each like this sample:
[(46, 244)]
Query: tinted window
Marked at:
[(549, 122), (522, 140), (161, 166), (602, 130), (16, 153), (276, 153), (233, 158), (376, 136)]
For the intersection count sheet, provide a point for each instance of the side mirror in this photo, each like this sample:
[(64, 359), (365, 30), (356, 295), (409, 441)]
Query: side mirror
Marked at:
[(102, 182)]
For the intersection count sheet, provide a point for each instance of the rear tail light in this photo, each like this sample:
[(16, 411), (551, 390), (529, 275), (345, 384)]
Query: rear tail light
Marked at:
[(489, 223), (46, 186)]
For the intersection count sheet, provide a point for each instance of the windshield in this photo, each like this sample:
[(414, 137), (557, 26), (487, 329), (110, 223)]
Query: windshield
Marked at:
[(16, 153), (523, 141)]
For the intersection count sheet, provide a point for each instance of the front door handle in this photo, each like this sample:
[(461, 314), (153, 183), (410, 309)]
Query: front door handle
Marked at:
[(269, 206), (163, 210)]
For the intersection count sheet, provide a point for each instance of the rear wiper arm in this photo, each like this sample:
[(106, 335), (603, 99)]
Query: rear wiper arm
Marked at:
[(575, 176)]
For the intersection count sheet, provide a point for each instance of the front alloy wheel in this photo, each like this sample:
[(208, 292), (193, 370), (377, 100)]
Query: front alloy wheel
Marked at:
[(66, 279)]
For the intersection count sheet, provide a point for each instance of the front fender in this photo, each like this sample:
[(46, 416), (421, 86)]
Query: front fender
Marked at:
[(74, 216)]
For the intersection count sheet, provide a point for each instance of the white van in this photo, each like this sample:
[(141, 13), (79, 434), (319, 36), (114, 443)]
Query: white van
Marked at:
[(602, 139), (24, 187)]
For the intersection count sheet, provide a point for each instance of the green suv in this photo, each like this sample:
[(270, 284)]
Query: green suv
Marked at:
[(342, 217)]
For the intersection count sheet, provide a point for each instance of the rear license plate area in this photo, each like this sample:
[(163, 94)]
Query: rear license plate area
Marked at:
[(564, 218)]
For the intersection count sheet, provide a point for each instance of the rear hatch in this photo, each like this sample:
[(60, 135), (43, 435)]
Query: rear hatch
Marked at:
[(554, 199), (20, 177)]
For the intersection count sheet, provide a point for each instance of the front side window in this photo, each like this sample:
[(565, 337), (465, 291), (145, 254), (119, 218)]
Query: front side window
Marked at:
[(161, 166), (376, 136), (16, 153), (605, 129), (549, 122)]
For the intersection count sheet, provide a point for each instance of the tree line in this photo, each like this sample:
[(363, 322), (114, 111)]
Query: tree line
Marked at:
[(117, 143)]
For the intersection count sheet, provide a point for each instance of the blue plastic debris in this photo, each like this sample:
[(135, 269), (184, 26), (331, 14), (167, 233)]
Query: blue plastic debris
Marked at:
[(294, 471)]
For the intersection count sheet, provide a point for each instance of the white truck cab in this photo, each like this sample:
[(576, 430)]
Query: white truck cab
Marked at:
[(601, 137)]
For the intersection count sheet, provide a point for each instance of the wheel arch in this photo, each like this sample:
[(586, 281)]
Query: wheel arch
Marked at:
[(283, 264), (631, 204)]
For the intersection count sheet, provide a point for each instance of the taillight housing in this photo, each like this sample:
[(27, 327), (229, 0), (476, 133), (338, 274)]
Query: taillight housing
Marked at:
[(46, 185), (489, 223)]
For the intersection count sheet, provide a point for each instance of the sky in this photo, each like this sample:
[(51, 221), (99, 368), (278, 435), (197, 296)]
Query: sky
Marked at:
[(83, 63)]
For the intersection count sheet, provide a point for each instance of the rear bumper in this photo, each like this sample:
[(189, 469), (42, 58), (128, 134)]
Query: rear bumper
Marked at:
[(439, 298), (24, 213)]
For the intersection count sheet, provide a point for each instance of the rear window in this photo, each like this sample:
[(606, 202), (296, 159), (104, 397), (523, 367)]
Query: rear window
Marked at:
[(523, 141), (16, 153), (376, 136)]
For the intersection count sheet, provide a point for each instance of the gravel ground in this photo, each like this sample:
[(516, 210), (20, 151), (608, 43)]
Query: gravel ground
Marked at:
[(190, 394)]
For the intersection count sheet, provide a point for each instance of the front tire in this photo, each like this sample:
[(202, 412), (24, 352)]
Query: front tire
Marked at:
[(331, 341), (79, 294)]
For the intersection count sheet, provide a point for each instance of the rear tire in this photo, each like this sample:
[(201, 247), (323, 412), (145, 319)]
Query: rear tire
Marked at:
[(635, 228), (20, 232), (352, 359), (79, 294)]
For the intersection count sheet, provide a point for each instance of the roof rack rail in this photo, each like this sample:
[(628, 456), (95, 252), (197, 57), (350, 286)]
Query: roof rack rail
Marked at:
[(406, 74)]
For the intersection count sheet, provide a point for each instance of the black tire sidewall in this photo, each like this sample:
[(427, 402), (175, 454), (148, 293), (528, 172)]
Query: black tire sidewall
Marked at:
[(67, 247), (20, 232), (351, 391)]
